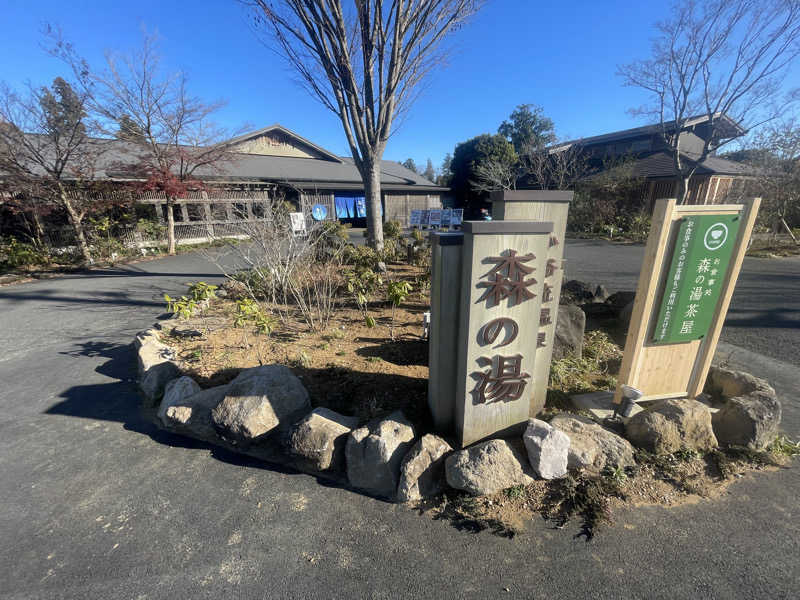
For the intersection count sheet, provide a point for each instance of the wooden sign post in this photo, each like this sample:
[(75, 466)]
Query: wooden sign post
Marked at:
[(692, 261), (541, 205), (485, 319)]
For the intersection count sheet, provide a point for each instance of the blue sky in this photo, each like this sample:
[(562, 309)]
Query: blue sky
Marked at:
[(562, 56)]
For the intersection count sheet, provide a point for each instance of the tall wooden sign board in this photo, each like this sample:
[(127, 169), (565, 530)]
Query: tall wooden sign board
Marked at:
[(691, 264), (541, 205)]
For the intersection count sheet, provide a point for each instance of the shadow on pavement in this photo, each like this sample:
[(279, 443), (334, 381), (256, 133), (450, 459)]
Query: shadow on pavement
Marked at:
[(120, 401)]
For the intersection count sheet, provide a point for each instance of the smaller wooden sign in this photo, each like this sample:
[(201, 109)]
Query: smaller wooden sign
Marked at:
[(693, 257)]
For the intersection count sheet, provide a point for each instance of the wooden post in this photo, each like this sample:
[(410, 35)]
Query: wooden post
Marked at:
[(552, 206), (446, 249)]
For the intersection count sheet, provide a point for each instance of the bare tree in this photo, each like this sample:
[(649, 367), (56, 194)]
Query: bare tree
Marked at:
[(492, 175), (46, 153), (774, 154), (365, 64), (722, 59), (558, 168), (175, 143)]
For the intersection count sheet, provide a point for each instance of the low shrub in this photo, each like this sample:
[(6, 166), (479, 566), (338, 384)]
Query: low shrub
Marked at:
[(15, 254), (392, 230)]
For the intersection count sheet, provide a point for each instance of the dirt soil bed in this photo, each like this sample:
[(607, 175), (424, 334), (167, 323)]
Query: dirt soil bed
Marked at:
[(349, 367)]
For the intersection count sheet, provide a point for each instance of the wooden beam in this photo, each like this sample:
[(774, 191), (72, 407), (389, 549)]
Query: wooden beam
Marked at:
[(652, 265)]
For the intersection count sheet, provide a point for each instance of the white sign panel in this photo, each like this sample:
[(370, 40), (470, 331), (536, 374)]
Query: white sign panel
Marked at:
[(414, 219), (435, 217), (298, 222)]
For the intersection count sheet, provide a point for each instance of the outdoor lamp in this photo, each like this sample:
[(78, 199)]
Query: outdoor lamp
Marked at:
[(629, 397)]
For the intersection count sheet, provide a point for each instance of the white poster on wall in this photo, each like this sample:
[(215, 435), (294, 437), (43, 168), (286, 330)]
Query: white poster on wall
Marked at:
[(298, 222)]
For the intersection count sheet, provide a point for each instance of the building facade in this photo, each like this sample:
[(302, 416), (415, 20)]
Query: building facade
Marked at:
[(714, 180)]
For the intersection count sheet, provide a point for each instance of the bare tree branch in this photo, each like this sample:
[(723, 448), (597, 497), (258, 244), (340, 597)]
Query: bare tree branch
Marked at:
[(717, 58), (366, 64)]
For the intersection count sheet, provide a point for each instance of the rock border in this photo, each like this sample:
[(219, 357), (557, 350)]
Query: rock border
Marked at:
[(386, 458)]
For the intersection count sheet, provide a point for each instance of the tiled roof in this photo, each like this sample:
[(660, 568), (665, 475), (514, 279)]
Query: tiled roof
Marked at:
[(660, 164)]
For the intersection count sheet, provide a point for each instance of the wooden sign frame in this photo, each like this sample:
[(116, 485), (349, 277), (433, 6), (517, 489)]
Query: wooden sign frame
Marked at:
[(676, 370)]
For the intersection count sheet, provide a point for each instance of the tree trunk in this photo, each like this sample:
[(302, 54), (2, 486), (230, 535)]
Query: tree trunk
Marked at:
[(170, 226), (77, 226), (372, 193), (682, 189)]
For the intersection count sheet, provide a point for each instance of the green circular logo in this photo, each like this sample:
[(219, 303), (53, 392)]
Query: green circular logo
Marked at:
[(715, 236)]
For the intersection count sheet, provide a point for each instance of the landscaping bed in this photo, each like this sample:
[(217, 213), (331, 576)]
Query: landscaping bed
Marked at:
[(348, 367), (355, 369)]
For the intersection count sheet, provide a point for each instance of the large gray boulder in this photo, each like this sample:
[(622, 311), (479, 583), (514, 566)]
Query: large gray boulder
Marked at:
[(318, 440), (570, 326), (750, 420), (669, 425), (255, 406), (156, 364), (488, 467), (592, 447), (727, 383), (192, 415), (751, 413), (374, 454), (422, 470), (548, 449), (175, 392)]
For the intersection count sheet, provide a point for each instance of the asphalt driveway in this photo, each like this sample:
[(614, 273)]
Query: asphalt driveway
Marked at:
[(95, 502)]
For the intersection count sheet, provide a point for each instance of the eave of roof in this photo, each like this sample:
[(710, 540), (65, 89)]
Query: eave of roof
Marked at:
[(648, 130), (659, 165)]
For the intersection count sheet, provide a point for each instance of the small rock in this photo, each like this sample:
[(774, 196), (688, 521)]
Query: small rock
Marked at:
[(374, 454), (620, 300), (156, 378), (258, 404), (570, 326), (381, 266), (669, 425), (601, 293), (592, 447), (192, 415), (422, 470), (750, 420), (576, 291), (319, 439), (175, 392), (548, 449), (186, 333), (155, 363), (488, 467)]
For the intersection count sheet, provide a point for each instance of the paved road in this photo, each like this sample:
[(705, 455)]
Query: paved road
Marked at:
[(765, 311), (97, 503)]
